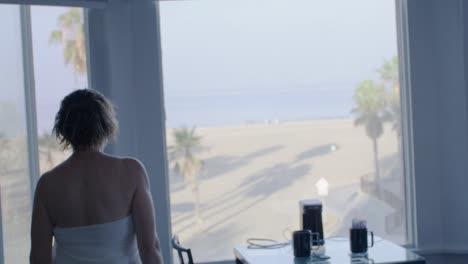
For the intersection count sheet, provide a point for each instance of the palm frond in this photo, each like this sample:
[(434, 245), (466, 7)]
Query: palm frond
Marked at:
[(56, 36), (370, 107), (70, 33), (182, 152)]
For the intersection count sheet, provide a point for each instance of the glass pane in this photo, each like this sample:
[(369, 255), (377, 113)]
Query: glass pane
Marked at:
[(271, 102), (14, 170), (60, 67)]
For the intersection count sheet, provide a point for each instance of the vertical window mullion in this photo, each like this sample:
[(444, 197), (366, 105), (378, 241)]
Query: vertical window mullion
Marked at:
[(30, 96), (406, 114)]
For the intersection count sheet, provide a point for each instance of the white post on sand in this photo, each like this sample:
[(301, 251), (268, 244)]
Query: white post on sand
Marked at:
[(322, 187)]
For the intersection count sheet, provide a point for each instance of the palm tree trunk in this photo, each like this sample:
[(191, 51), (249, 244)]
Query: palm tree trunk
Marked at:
[(376, 164), (49, 158), (196, 195)]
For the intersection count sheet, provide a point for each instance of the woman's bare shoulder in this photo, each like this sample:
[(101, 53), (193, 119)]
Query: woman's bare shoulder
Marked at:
[(128, 163), (136, 169), (44, 183), (133, 163), (53, 174), (130, 166)]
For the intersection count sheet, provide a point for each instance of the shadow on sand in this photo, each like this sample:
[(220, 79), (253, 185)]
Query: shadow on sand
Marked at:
[(257, 187), (219, 165), (317, 151)]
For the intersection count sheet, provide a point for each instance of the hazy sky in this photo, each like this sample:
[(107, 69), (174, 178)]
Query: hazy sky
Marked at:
[(229, 62), (223, 47), (271, 44)]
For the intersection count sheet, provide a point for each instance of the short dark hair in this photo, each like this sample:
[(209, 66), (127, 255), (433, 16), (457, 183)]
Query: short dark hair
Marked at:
[(86, 119)]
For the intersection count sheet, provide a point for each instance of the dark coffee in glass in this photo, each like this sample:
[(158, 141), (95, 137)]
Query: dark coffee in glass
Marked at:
[(302, 243), (358, 240)]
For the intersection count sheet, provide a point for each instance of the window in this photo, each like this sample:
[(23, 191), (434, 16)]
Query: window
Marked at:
[(60, 67), (53, 44), (14, 167), (271, 102)]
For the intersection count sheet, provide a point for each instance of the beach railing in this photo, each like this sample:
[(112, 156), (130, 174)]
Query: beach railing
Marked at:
[(393, 220)]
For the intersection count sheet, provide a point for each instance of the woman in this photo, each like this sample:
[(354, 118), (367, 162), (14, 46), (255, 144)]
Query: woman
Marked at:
[(97, 207)]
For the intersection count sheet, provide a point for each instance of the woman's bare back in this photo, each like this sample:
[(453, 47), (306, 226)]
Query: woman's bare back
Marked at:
[(93, 188)]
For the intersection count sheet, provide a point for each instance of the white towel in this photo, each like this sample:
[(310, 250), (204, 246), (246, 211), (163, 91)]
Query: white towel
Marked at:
[(109, 243)]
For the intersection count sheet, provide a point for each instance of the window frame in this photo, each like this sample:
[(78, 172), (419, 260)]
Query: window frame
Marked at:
[(30, 107), (407, 129), (30, 97), (130, 14), (24, 10), (102, 75), (407, 124)]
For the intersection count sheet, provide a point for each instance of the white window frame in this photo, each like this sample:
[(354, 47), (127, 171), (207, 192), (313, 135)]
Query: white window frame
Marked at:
[(407, 124), (30, 97)]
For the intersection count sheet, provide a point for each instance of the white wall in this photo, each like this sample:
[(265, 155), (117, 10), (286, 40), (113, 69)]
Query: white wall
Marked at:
[(125, 64), (439, 103)]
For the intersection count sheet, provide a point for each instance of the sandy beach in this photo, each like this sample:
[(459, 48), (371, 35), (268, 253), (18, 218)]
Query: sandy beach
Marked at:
[(254, 176)]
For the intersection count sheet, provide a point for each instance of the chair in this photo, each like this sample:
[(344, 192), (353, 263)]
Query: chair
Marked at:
[(181, 250)]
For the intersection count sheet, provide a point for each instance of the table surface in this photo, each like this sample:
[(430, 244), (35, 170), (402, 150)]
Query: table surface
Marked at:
[(336, 248)]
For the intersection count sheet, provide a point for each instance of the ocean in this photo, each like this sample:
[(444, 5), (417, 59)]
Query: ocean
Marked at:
[(208, 110)]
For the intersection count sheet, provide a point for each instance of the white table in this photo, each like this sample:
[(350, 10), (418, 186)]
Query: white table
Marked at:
[(336, 248)]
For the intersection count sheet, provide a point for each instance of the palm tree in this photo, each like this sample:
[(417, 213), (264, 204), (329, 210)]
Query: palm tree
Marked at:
[(48, 144), (186, 163), (70, 34), (394, 108), (389, 73), (371, 112)]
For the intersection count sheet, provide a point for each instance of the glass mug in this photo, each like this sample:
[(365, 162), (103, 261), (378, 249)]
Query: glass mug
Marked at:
[(358, 240), (303, 241)]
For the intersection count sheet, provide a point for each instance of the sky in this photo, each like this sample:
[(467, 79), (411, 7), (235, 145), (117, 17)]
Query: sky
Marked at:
[(219, 49), (274, 43), (229, 62)]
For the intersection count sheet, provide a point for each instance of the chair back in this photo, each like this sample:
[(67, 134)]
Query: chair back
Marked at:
[(181, 250)]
